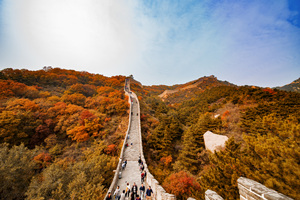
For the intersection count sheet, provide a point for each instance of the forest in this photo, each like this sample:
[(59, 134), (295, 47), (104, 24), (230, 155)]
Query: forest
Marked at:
[(61, 132), (263, 129)]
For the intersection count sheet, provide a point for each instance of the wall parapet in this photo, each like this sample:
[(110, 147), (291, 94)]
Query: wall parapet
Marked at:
[(252, 190), (212, 195), (158, 190), (113, 184)]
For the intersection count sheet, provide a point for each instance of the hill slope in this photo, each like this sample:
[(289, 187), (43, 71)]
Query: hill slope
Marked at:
[(262, 124), (63, 125), (191, 89), (293, 86)]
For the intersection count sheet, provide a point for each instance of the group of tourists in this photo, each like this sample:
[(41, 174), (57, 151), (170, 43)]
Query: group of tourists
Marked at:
[(131, 193), (142, 170)]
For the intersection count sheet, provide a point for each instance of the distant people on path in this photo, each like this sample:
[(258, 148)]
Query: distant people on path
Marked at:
[(123, 195), (142, 177), (142, 167), (149, 192), (124, 164), (137, 197), (127, 191), (139, 160), (142, 191), (117, 193), (108, 196)]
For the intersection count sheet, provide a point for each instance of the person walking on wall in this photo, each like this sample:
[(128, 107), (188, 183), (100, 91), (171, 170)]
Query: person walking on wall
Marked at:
[(132, 196), (142, 191), (123, 195), (149, 192), (117, 193), (127, 193), (134, 190), (108, 196), (142, 176)]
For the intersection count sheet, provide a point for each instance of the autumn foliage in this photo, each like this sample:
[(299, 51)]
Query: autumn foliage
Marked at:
[(59, 115), (262, 124), (181, 184), (43, 159), (60, 137), (166, 160), (111, 149)]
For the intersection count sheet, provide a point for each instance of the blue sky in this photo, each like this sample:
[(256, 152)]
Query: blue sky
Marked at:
[(160, 42)]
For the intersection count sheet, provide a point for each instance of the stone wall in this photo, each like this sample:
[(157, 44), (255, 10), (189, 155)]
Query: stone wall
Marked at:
[(158, 191), (252, 190), (113, 185), (212, 195)]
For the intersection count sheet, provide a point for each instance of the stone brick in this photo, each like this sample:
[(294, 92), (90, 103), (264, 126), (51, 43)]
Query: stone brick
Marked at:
[(212, 195), (252, 190)]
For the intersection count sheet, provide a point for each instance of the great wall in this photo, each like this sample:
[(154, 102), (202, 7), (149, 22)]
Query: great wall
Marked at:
[(248, 189)]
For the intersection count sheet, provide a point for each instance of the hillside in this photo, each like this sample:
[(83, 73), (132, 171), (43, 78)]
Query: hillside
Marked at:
[(262, 124), (191, 89), (293, 86), (61, 132)]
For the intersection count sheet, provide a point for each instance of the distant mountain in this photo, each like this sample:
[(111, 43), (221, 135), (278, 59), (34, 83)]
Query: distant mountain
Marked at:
[(191, 89), (293, 86)]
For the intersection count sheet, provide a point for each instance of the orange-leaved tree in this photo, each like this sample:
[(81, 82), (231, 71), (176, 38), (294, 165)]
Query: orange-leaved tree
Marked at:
[(182, 185), (111, 149), (43, 159), (79, 134)]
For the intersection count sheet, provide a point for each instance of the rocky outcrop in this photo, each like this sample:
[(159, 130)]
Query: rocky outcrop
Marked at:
[(214, 142)]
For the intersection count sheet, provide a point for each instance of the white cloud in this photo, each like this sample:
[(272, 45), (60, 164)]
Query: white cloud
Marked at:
[(88, 35), (240, 41), (157, 41)]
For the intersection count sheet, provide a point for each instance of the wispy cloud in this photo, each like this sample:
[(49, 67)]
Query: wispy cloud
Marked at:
[(245, 42)]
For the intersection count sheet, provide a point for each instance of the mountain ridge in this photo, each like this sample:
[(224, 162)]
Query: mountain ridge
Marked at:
[(192, 88), (293, 86)]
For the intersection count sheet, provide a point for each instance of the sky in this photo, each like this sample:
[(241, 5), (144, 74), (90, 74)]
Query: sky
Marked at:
[(168, 42)]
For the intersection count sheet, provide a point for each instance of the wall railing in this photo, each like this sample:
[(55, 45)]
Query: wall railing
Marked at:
[(113, 184)]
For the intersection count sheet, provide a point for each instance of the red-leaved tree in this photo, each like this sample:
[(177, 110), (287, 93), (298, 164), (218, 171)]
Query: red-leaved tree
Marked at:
[(181, 184)]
